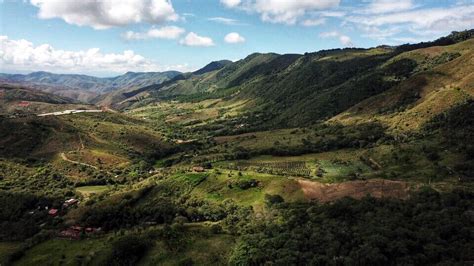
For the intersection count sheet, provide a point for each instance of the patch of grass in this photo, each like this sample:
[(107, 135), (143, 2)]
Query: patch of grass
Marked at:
[(193, 179), (67, 252), (89, 190), (201, 248), (223, 184), (6, 249)]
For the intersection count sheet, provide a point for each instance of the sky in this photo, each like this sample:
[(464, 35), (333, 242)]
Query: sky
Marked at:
[(111, 37)]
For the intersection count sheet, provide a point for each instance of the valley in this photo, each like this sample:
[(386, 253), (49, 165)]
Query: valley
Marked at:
[(342, 157)]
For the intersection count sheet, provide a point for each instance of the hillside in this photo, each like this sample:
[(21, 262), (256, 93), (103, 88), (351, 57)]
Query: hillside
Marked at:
[(337, 157), (441, 79), (83, 87), (299, 90), (21, 100)]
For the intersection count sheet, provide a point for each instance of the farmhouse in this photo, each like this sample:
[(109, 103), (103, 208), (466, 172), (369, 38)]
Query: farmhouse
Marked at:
[(23, 104), (53, 212), (70, 233), (70, 202)]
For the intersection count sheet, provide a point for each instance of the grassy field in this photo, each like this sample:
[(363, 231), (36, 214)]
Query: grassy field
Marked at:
[(199, 248), (67, 252), (224, 184), (87, 191)]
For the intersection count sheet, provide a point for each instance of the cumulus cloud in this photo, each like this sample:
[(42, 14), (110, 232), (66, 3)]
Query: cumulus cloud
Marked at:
[(192, 39), (167, 32), (103, 14), (283, 11), (343, 39), (22, 55), (234, 37), (231, 3)]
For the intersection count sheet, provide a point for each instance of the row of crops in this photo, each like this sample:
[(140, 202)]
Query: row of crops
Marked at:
[(293, 168)]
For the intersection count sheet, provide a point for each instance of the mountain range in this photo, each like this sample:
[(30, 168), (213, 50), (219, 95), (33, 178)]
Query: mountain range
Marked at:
[(84, 88)]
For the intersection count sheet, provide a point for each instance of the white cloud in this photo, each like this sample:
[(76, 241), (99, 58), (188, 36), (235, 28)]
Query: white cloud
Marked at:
[(388, 6), (226, 21), (378, 33), (283, 11), (427, 21), (22, 55), (192, 39), (343, 39), (167, 32), (231, 3), (103, 14), (234, 37), (331, 14), (313, 22)]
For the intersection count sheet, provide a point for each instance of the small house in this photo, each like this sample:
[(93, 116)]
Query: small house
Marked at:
[(70, 234), (53, 212), (198, 169), (23, 104), (70, 202), (76, 228)]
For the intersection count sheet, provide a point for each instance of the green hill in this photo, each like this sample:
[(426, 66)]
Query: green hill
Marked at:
[(300, 90)]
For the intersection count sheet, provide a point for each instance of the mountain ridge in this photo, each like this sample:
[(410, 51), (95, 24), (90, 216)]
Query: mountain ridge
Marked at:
[(85, 87)]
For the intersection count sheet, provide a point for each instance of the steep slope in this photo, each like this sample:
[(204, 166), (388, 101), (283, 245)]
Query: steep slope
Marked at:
[(216, 65), (442, 78), (300, 90), (205, 83)]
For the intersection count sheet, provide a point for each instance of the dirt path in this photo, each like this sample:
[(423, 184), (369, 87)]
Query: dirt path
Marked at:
[(81, 142), (63, 156), (378, 188)]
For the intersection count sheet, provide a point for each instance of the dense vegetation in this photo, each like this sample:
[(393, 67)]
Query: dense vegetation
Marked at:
[(427, 229)]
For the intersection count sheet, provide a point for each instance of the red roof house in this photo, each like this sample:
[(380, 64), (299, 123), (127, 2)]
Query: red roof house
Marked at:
[(53, 212), (23, 104)]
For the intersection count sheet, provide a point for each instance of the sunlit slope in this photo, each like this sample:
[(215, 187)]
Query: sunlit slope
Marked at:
[(444, 78)]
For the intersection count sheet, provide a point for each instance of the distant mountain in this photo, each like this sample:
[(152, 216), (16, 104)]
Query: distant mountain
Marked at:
[(216, 65), (298, 90), (18, 99), (15, 93), (83, 87)]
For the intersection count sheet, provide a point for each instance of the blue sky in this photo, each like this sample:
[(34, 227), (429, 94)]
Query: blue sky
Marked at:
[(110, 37)]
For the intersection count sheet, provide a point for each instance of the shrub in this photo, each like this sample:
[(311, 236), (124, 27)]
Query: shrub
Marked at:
[(128, 250)]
